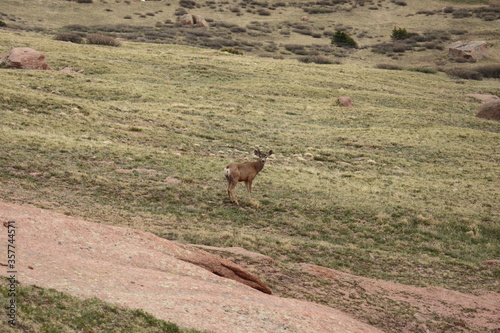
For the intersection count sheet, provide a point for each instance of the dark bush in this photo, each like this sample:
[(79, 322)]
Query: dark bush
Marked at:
[(489, 71), (3, 24), (238, 30), (297, 49), (76, 27), (463, 73), (263, 12), (69, 37), (180, 12), (84, 1), (462, 13), (399, 3), (231, 50), (399, 34), (448, 10), (425, 70), (187, 4), (102, 40), (317, 59), (342, 39), (389, 67)]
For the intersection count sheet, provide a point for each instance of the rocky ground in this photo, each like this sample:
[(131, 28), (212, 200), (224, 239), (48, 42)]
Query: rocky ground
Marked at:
[(197, 289)]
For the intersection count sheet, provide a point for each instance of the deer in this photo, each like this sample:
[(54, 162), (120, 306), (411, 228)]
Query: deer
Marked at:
[(244, 172)]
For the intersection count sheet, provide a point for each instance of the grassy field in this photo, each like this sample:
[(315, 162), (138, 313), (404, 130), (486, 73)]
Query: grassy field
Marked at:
[(403, 187)]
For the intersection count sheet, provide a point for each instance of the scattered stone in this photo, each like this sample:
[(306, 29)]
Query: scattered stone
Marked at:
[(186, 19), (489, 110), (346, 101), (190, 19), (24, 58)]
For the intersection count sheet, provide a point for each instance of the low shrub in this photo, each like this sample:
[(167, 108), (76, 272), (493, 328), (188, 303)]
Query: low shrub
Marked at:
[(69, 37), (102, 40), (3, 24), (263, 12), (448, 10), (399, 34), (489, 71), (231, 50), (425, 70), (399, 3), (342, 39), (294, 47), (464, 73), (389, 67), (187, 4), (461, 13), (317, 59)]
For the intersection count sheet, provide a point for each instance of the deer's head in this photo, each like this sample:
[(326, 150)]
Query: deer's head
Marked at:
[(261, 155)]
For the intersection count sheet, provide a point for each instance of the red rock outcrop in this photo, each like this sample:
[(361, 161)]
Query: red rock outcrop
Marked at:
[(24, 58), (137, 269)]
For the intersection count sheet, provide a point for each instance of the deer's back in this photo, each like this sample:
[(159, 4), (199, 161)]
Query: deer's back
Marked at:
[(243, 171)]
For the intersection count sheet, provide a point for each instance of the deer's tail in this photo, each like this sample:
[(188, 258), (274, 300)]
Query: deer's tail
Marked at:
[(227, 172)]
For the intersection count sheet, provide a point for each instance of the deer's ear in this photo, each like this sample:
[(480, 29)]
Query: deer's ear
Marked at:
[(256, 152), (270, 153)]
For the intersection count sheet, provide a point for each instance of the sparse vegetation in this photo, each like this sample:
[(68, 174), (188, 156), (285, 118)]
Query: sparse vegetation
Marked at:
[(389, 67), (318, 60), (69, 37), (98, 39), (489, 71), (464, 73)]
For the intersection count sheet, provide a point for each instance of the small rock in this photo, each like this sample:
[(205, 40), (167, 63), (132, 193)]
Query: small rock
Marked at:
[(346, 101)]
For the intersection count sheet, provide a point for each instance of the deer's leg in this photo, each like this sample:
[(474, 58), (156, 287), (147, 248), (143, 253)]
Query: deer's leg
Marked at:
[(230, 186), (249, 189)]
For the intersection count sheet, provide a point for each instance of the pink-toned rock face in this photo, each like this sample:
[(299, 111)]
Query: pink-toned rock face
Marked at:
[(136, 269), (24, 58)]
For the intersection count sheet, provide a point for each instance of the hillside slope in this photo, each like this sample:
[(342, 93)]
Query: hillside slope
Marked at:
[(402, 187)]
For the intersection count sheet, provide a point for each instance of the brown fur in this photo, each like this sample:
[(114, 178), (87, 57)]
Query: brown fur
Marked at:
[(244, 172)]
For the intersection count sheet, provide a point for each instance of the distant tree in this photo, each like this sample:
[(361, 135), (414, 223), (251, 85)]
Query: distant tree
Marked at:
[(399, 34), (342, 39)]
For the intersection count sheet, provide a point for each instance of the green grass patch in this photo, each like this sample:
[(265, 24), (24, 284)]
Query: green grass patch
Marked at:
[(48, 310)]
